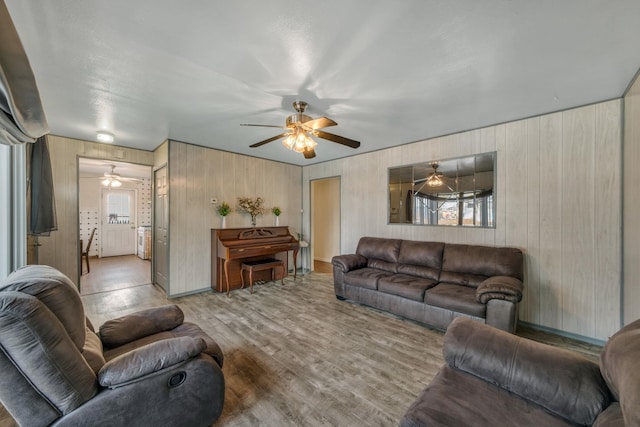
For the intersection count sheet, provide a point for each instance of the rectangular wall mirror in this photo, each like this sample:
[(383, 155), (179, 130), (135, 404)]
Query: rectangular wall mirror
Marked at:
[(451, 192)]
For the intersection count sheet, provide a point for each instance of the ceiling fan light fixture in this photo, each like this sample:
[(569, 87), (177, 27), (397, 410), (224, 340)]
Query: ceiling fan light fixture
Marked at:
[(111, 182), (299, 142), (434, 181), (104, 136)]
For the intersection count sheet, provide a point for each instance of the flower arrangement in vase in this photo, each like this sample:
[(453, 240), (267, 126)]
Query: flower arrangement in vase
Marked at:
[(252, 207), (276, 211), (223, 210)]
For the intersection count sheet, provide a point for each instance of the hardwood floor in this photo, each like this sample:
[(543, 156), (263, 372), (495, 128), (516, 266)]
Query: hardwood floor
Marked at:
[(113, 273), (322, 267), (296, 356)]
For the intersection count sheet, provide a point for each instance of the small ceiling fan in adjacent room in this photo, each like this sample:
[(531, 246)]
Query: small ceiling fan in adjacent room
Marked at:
[(114, 180), (300, 129)]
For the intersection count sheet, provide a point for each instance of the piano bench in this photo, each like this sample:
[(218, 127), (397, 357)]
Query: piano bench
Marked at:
[(259, 265)]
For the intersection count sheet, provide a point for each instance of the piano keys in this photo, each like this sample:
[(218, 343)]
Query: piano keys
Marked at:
[(230, 247)]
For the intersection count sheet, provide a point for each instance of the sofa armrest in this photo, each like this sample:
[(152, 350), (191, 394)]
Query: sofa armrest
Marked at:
[(350, 262), (148, 359), (500, 287), (563, 382), (123, 330)]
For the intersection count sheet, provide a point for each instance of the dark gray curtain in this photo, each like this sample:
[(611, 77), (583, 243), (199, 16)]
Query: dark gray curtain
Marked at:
[(42, 215)]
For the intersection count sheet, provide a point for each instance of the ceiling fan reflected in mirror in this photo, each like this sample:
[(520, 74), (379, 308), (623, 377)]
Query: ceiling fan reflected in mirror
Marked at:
[(114, 180), (435, 179), (300, 129)]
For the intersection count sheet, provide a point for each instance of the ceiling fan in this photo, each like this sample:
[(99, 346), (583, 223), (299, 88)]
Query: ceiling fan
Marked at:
[(300, 129), (435, 179), (114, 180)]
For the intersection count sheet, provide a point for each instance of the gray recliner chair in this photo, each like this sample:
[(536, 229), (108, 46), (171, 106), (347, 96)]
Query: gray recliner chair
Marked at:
[(147, 369), (493, 378)]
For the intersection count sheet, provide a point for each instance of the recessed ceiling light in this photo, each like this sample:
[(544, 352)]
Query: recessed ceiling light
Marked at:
[(105, 136)]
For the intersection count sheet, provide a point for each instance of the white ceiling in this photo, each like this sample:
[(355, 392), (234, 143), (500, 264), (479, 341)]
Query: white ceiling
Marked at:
[(90, 168), (389, 72)]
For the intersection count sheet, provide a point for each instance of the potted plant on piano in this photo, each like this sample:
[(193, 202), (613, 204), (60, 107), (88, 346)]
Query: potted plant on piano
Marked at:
[(223, 210), (276, 211), (252, 207)]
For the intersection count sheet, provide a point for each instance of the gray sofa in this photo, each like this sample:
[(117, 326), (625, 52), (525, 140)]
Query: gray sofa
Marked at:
[(494, 378), (433, 282), (146, 369)]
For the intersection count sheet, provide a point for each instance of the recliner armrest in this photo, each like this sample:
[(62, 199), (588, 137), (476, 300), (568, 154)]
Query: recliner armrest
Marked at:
[(563, 382), (123, 330), (350, 262), (148, 359), (500, 287)]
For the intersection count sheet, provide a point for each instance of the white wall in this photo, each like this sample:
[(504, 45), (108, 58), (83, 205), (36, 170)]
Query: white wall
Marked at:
[(558, 198), (196, 174), (632, 204)]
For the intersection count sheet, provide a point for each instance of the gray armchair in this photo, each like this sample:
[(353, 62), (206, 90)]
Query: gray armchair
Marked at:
[(147, 369), (495, 378)]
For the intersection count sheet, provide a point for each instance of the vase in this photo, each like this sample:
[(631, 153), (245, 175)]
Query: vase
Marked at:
[(223, 223), (277, 220), (253, 221)]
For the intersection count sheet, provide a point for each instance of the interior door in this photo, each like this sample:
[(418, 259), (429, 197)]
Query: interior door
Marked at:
[(161, 229), (118, 235)]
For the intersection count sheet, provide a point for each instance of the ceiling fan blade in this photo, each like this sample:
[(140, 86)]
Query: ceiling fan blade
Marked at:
[(319, 123), (309, 154), (258, 144), (263, 126), (337, 138)]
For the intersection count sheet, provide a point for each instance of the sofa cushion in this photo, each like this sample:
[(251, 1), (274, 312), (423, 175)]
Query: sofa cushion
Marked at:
[(620, 367), (456, 298), (37, 344), (56, 291), (187, 329), (482, 261), (92, 351), (122, 330), (464, 279), (365, 277), (405, 286), (419, 271), (455, 398), (379, 248), (379, 264), (425, 254)]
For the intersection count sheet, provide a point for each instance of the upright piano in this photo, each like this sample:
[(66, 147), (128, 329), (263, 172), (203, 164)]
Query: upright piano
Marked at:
[(230, 247)]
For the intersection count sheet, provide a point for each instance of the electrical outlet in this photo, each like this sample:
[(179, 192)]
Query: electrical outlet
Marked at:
[(214, 201)]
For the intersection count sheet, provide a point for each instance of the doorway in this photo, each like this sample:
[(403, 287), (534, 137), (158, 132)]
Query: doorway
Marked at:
[(325, 223), (118, 219), (117, 213), (161, 229)]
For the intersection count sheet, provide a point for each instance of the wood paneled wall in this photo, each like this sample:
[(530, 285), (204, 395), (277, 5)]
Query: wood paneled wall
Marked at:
[(61, 248), (558, 198), (631, 216), (196, 174)]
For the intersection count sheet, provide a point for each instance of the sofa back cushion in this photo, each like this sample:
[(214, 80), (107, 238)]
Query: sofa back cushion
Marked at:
[(57, 292), (380, 253), (470, 265), (620, 367), (37, 345), (422, 259)]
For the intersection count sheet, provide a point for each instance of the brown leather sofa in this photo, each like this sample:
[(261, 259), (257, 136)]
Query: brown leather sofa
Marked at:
[(148, 368), (433, 282), (494, 378)]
